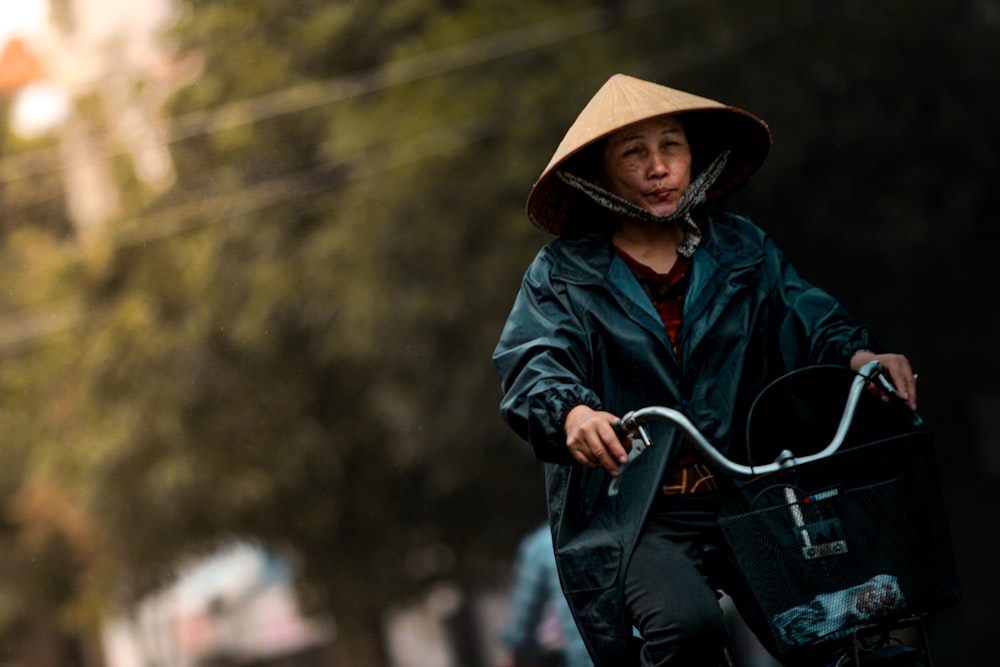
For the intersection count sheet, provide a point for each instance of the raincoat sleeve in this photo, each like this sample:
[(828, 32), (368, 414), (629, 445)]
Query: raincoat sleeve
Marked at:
[(543, 360), (813, 327)]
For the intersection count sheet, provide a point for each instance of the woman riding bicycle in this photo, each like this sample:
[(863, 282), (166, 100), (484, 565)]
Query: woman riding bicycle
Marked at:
[(651, 295)]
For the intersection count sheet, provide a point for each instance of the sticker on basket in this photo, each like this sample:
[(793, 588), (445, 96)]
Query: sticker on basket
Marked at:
[(830, 613), (822, 495)]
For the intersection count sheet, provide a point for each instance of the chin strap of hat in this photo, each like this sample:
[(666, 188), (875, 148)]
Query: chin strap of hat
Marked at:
[(695, 195)]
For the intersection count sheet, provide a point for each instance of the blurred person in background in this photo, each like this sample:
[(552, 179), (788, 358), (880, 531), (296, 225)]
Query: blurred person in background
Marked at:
[(541, 631), (652, 295)]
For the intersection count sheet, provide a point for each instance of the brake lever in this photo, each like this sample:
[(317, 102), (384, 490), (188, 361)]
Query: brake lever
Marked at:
[(886, 385), (639, 447)]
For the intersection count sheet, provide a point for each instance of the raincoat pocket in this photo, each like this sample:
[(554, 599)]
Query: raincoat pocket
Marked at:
[(589, 566)]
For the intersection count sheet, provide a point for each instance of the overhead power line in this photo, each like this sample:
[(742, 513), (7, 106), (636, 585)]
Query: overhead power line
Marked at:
[(447, 138), (453, 136), (241, 201), (19, 329), (369, 160), (314, 94)]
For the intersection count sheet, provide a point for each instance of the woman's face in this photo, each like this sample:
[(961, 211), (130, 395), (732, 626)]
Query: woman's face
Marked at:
[(648, 164)]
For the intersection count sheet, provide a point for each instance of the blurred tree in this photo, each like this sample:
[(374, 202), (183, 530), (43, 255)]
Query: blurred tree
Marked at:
[(294, 343)]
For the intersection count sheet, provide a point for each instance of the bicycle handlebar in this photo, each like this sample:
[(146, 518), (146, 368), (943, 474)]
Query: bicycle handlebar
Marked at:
[(633, 423)]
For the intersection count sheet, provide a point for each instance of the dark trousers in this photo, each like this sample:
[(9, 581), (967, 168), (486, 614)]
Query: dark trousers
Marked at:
[(672, 583)]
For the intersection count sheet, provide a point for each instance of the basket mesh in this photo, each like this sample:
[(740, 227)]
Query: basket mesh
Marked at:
[(853, 540)]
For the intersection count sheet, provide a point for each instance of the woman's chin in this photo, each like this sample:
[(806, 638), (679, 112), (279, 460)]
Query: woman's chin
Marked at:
[(662, 210)]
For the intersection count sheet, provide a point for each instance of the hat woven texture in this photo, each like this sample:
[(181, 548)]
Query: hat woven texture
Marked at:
[(624, 100)]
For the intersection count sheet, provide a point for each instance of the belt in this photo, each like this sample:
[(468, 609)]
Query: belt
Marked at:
[(689, 474)]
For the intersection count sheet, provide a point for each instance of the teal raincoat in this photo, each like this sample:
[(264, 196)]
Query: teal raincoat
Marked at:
[(582, 331)]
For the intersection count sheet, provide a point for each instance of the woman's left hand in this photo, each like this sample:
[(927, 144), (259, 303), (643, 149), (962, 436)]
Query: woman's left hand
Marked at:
[(899, 370)]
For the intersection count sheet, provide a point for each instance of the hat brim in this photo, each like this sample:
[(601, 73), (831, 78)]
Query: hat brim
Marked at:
[(711, 128)]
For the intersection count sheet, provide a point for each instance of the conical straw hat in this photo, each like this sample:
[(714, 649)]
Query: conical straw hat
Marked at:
[(711, 126)]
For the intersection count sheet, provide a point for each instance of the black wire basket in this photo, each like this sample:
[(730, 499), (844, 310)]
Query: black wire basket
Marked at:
[(856, 539)]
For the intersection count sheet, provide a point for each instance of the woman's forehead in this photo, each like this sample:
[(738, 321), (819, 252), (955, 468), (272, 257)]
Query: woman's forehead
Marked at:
[(656, 126)]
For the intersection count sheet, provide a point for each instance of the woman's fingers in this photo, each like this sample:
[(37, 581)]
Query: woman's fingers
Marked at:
[(901, 375), (593, 441)]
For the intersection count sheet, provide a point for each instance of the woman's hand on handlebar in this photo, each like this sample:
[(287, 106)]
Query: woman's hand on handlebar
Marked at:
[(593, 441), (899, 370)]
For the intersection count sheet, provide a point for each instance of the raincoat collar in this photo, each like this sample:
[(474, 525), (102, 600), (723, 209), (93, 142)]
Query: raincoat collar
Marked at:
[(720, 261), (591, 257)]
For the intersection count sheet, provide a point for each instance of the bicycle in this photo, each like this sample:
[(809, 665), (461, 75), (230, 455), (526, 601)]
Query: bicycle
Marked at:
[(846, 548)]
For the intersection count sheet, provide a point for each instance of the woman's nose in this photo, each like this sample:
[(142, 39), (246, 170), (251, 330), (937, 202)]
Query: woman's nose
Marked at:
[(657, 166)]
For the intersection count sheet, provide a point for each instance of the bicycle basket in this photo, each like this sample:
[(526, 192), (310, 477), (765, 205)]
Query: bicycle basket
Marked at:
[(854, 539)]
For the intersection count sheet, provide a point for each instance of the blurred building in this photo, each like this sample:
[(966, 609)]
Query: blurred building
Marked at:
[(113, 55), (235, 607)]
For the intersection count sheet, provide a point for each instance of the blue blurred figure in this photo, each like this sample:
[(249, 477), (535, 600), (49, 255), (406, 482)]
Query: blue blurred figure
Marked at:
[(541, 631)]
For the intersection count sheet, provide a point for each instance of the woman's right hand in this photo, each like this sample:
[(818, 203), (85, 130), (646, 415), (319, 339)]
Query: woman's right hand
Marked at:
[(593, 441)]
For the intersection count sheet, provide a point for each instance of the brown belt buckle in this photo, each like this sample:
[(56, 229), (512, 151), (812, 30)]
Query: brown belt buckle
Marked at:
[(692, 478)]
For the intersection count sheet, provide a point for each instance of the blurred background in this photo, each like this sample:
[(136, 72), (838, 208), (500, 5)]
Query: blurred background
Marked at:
[(255, 256)]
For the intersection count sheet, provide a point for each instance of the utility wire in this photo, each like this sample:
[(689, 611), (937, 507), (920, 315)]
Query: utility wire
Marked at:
[(17, 329), (241, 201), (365, 162), (316, 94), (199, 214)]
